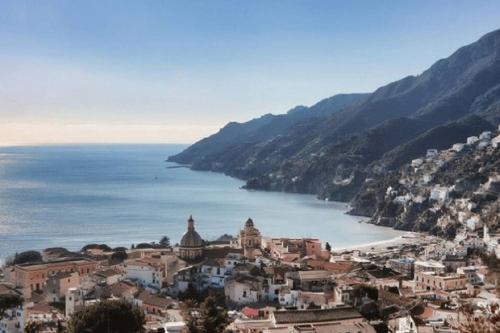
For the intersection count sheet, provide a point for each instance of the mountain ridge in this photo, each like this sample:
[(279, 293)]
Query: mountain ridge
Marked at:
[(361, 136)]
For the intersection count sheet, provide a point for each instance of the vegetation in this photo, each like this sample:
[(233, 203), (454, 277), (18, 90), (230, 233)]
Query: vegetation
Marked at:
[(33, 327), (328, 247), (107, 317), (209, 318), (25, 257), (144, 246), (9, 301), (165, 241), (118, 257), (102, 247)]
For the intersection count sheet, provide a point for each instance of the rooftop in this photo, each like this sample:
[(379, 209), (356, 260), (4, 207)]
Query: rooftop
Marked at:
[(315, 316)]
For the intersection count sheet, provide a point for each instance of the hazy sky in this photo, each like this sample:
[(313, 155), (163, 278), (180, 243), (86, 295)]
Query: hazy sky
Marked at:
[(175, 71)]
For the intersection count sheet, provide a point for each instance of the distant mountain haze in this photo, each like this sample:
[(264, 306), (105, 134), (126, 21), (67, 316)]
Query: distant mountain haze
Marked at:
[(330, 148)]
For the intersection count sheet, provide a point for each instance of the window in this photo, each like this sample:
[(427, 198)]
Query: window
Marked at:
[(244, 293)]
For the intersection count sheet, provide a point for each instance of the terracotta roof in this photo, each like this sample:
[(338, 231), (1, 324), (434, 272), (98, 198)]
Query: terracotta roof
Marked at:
[(121, 287), (107, 273), (315, 316), (41, 308), (154, 300), (5, 290)]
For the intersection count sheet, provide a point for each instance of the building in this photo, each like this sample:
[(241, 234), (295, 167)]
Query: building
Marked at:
[(431, 152), (302, 318), (31, 277), (404, 266), (108, 276), (191, 246), (431, 281), (250, 239), (291, 249), (124, 290), (58, 284), (439, 193), (417, 162), (148, 272), (429, 266), (472, 140), (243, 289), (75, 299), (153, 304)]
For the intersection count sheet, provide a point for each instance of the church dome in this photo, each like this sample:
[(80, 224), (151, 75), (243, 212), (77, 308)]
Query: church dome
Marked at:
[(191, 238), (249, 224)]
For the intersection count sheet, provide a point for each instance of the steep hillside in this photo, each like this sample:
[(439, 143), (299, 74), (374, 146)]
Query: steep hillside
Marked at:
[(330, 149), (440, 192)]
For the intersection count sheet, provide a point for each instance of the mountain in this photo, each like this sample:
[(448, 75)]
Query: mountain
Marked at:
[(260, 130), (330, 149), (442, 191)]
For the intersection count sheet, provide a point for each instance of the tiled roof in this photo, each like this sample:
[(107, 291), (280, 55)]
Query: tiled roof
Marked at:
[(315, 316)]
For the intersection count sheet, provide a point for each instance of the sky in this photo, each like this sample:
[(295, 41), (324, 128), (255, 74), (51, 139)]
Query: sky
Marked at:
[(177, 71)]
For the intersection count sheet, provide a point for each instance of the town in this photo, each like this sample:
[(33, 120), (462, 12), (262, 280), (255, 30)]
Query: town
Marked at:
[(419, 284)]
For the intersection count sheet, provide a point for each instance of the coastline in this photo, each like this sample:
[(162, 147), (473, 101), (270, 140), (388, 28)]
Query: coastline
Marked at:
[(409, 238)]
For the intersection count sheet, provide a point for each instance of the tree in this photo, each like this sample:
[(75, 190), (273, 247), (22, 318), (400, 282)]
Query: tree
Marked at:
[(144, 246), (107, 317), (27, 256), (118, 257), (9, 301), (209, 318), (165, 241), (328, 247), (213, 319), (33, 327), (102, 247)]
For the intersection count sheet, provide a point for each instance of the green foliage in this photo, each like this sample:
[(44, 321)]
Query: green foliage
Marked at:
[(213, 319), (328, 247), (363, 290), (33, 327), (8, 302), (165, 241), (208, 318), (102, 247), (118, 257), (27, 256), (107, 317), (144, 246)]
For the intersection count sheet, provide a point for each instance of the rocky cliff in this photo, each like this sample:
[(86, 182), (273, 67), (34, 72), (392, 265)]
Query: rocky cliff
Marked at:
[(333, 148), (440, 191)]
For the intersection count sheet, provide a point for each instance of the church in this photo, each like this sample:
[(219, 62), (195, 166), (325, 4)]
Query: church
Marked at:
[(250, 239), (192, 246)]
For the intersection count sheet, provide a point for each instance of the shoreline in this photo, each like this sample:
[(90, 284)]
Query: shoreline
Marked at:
[(408, 238)]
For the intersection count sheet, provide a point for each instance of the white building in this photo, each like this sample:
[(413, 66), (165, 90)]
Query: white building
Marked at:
[(439, 193), (495, 142), (417, 162), (243, 289), (147, 274), (457, 147), (486, 135), (472, 140), (431, 152), (74, 300)]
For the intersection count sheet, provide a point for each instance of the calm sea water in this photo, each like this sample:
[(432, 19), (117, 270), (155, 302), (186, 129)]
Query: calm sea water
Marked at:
[(122, 194)]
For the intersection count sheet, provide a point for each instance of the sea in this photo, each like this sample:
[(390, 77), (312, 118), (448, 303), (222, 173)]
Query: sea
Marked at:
[(73, 195)]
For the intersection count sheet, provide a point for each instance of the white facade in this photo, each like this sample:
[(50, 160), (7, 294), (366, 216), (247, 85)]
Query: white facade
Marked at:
[(146, 275), (431, 152), (457, 147), (74, 300), (13, 321), (417, 162), (439, 193), (472, 140)]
